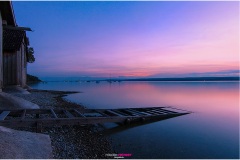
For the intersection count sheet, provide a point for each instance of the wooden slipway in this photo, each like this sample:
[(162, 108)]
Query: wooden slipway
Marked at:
[(50, 117)]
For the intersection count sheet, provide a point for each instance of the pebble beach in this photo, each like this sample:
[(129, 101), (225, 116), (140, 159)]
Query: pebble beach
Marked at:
[(69, 142)]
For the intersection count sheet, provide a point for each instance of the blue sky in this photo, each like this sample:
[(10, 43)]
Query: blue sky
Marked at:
[(132, 39)]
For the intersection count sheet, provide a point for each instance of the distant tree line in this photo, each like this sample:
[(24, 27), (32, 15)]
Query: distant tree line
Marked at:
[(31, 79)]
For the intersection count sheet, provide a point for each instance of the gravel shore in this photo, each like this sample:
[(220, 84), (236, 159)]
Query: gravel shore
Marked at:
[(69, 142)]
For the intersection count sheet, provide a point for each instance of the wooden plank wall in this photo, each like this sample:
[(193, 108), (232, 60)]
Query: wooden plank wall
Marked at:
[(9, 68), (19, 66), (1, 54), (14, 67), (23, 66)]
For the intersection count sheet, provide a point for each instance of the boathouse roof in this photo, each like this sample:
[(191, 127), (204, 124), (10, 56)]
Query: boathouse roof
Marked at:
[(7, 13), (13, 37)]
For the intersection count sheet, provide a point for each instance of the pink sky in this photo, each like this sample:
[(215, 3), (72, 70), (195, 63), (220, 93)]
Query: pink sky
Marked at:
[(132, 39)]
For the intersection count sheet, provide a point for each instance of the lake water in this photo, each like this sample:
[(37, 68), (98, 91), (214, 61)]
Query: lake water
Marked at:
[(211, 131)]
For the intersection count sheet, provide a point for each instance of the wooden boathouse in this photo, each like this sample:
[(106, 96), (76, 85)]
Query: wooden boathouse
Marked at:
[(13, 48)]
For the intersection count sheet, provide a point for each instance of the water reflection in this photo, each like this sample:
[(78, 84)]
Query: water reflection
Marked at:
[(212, 131), (109, 129)]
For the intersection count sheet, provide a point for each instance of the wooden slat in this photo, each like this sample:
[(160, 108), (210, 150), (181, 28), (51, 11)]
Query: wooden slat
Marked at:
[(176, 110), (68, 114), (115, 113), (140, 113), (53, 113), (153, 113), (79, 113), (131, 112), (122, 113), (4, 114), (39, 127), (166, 111), (23, 114), (19, 112), (103, 114), (157, 111)]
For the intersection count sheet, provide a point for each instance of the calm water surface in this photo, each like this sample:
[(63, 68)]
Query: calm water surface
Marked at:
[(212, 131)]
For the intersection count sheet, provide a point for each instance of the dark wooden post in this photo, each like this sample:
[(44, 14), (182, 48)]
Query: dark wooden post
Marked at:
[(39, 127), (37, 116)]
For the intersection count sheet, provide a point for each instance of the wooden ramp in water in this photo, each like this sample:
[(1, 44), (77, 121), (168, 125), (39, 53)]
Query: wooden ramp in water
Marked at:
[(48, 117)]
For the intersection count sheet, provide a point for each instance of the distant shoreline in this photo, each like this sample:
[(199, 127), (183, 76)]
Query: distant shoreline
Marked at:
[(184, 79)]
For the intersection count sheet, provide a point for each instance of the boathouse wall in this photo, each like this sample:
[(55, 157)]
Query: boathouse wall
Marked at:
[(1, 53), (13, 48), (15, 66)]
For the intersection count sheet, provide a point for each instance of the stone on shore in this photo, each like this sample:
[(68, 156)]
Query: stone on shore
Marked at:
[(16, 144), (24, 145), (9, 101)]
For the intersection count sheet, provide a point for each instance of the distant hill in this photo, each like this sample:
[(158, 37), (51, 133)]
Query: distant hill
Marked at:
[(185, 79), (32, 79)]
